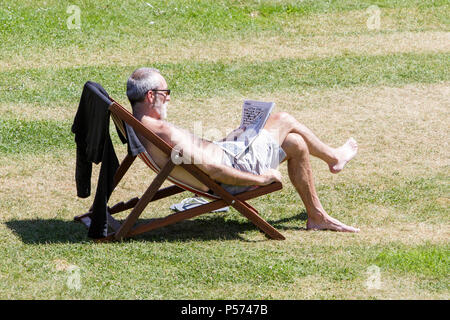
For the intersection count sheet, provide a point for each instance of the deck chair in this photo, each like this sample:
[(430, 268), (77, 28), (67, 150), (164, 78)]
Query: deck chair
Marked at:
[(219, 197)]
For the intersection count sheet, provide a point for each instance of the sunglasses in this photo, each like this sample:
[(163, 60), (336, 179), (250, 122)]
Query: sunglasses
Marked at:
[(165, 90)]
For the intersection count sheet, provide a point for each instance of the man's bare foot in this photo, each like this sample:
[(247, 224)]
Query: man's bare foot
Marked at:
[(329, 223), (344, 154)]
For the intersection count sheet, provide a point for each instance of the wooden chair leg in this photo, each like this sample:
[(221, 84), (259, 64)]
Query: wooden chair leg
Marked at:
[(230, 199), (191, 213), (262, 224), (123, 168), (177, 217), (122, 206), (145, 199), (162, 193)]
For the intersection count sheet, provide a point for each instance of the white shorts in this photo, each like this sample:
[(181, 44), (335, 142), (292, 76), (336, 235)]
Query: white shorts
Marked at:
[(262, 154)]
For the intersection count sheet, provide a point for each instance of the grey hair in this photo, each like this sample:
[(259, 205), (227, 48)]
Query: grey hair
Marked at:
[(140, 82)]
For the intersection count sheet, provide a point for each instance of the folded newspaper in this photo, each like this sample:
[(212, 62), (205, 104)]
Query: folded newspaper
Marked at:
[(254, 117)]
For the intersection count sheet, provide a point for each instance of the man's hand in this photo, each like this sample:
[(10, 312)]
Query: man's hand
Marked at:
[(271, 175), (229, 175)]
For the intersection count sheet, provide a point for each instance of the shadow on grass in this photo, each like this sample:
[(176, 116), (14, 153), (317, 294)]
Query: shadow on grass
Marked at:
[(40, 231)]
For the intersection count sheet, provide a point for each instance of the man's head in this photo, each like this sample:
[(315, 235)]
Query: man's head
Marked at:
[(148, 93)]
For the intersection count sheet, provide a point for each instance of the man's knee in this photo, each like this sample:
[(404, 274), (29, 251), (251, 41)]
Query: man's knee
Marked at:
[(283, 117), (294, 145)]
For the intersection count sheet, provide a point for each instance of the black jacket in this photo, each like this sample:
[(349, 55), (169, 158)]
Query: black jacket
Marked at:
[(91, 128)]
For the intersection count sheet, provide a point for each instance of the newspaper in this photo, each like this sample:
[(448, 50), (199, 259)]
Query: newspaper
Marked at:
[(254, 117)]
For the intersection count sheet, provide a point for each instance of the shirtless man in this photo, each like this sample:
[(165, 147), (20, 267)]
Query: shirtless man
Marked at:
[(149, 95)]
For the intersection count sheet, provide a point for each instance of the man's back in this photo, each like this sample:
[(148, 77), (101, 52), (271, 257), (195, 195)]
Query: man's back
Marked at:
[(195, 150)]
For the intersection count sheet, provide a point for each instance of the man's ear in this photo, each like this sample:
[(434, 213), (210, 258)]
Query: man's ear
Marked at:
[(150, 96)]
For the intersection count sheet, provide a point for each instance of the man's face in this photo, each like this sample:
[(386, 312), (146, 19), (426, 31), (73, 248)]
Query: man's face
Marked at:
[(160, 105), (161, 100)]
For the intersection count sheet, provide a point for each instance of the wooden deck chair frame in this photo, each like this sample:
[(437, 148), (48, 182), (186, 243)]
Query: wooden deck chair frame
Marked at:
[(221, 197)]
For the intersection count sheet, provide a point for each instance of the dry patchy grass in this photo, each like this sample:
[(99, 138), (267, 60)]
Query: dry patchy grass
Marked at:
[(391, 287), (400, 130), (256, 49), (30, 111)]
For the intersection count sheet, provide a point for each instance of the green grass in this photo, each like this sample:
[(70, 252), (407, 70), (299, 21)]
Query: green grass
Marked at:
[(427, 260), (193, 79), (19, 136), (396, 190), (38, 136), (113, 24), (194, 269), (402, 194)]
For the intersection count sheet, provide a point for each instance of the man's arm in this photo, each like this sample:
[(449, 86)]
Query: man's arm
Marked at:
[(228, 175), (216, 171)]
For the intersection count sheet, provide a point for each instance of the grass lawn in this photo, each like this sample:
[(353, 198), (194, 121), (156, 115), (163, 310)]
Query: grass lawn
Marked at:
[(321, 61)]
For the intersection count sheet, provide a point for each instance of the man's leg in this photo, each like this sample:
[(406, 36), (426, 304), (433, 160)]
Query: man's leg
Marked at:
[(281, 124), (300, 174)]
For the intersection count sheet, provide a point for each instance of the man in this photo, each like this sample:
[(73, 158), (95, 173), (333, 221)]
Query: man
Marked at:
[(282, 139)]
